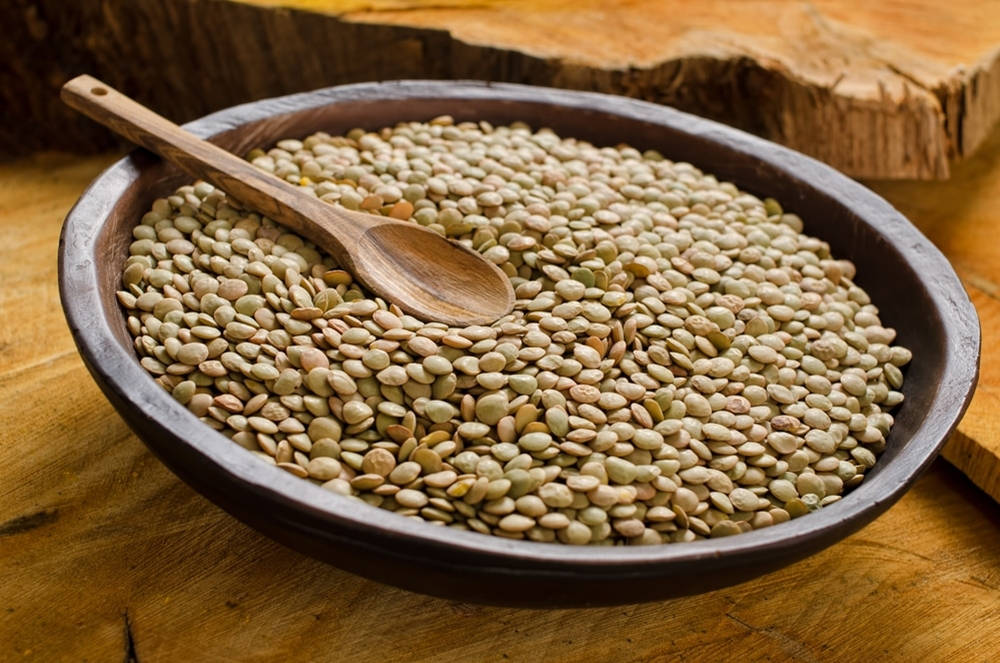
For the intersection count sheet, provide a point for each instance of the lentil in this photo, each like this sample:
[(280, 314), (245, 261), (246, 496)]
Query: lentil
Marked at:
[(682, 362)]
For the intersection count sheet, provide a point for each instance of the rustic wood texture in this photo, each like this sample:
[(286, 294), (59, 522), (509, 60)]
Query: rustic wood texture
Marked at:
[(961, 216), (888, 89), (105, 555), (410, 266)]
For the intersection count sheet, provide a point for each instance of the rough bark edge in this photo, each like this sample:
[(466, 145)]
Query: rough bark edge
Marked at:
[(975, 461), (905, 141), (970, 99)]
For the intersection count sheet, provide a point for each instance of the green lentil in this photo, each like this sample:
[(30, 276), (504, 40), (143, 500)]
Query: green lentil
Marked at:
[(681, 361)]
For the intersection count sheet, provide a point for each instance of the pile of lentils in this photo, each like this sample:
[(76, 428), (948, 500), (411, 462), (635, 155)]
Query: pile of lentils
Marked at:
[(681, 363)]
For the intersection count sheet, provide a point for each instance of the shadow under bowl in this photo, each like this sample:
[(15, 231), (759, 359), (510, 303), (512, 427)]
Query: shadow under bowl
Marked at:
[(913, 285)]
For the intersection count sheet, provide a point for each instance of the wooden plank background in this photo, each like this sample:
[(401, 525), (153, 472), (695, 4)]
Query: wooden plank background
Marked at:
[(877, 89)]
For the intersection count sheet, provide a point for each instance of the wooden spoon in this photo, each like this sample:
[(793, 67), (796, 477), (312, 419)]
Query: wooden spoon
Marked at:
[(422, 272)]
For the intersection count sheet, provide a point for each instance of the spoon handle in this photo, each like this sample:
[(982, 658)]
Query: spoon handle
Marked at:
[(264, 193)]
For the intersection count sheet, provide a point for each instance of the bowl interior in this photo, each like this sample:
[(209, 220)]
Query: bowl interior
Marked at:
[(887, 276)]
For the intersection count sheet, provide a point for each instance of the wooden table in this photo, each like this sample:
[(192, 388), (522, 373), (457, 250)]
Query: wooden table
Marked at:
[(105, 555)]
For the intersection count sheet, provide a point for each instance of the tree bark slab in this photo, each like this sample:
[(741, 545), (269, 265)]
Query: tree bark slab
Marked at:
[(889, 90)]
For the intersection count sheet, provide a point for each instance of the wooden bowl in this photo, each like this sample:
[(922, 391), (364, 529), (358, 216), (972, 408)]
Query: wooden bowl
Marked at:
[(915, 288)]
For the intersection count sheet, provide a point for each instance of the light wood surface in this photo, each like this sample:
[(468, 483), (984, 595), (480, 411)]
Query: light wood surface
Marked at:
[(888, 89), (962, 217), (410, 266), (105, 555)]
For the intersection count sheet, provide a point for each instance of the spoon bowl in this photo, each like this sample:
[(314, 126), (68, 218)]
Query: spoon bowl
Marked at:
[(460, 292)]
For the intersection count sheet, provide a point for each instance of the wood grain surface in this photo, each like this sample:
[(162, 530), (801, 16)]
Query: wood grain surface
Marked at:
[(890, 89), (105, 555), (962, 217)]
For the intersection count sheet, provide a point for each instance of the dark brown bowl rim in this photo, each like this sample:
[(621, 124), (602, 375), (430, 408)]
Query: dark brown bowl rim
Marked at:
[(357, 525)]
